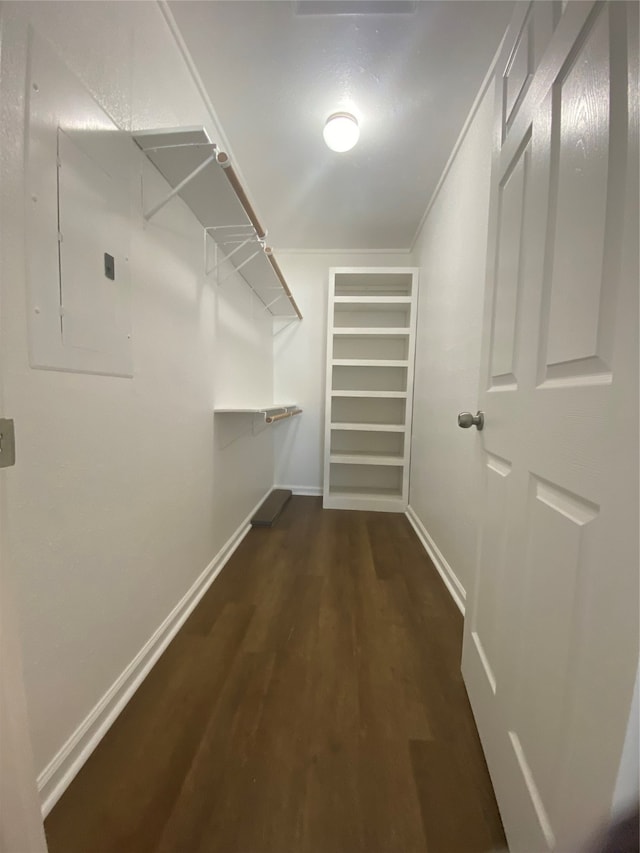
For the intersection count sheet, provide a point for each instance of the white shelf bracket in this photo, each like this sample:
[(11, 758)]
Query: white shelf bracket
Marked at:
[(205, 248), (239, 267), (267, 306), (286, 325), (229, 256), (273, 415), (179, 187)]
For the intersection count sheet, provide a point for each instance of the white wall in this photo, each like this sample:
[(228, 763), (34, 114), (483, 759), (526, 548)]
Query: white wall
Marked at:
[(300, 363), (125, 489), (451, 251)]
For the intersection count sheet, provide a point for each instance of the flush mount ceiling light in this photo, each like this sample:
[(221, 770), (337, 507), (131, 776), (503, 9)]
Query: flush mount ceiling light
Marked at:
[(341, 131)]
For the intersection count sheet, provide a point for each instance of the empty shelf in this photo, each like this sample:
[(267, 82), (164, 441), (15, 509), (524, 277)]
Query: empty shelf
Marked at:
[(255, 410), (361, 491), (378, 331), (369, 282), (362, 458), (271, 413), (368, 362), (375, 300), (391, 395), (370, 427), (364, 500)]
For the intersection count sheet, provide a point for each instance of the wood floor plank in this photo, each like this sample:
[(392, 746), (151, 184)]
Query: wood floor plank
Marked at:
[(384, 762), (135, 773), (312, 703), (454, 816), (331, 814), (262, 810), (228, 741)]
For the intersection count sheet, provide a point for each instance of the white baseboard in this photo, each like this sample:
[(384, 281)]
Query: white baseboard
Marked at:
[(313, 491), (59, 773), (445, 571)]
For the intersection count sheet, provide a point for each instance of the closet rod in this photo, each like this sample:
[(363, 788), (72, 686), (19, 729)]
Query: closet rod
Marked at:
[(269, 419), (223, 160), (283, 282)]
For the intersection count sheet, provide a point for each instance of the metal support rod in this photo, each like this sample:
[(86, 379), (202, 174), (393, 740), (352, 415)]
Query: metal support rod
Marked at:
[(233, 238), (180, 186), (181, 145), (233, 242), (205, 252), (231, 253), (222, 227), (267, 306), (239, 267), (286, 325)]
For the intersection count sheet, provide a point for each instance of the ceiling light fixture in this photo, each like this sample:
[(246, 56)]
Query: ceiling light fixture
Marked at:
[(341, 131)]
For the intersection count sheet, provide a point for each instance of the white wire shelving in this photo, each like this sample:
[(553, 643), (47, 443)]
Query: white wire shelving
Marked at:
[(204, 179)]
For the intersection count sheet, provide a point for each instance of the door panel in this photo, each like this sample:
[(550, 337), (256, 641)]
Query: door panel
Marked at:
[(487, 628), (579, 154), (509, 280), (533, 24), (551, 635), (557, 527), (518, 72)]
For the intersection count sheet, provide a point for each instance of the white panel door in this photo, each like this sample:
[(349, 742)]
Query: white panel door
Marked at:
[(21, 827), (551, 635)]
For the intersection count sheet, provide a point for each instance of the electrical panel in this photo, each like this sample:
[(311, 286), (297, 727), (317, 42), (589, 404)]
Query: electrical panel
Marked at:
[(79, 184)]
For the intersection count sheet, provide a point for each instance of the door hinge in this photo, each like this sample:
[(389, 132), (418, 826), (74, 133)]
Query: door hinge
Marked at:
[(7, 443)]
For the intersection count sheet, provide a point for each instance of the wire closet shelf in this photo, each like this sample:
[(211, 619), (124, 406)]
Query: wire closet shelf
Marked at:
[(205, 180), (271, 414)]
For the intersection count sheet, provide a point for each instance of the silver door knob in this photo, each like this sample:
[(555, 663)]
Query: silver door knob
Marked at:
[(466, 420)]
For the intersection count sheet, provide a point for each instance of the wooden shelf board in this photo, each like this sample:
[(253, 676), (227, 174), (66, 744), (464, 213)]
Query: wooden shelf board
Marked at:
[(389, 395), (363, 458), (370, 427), (368, 362), (364, 492), (252, 410), (373, 300), (371, 331), (364, 501)]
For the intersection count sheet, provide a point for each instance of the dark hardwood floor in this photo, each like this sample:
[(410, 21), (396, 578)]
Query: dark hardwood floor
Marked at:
[(312, 703)]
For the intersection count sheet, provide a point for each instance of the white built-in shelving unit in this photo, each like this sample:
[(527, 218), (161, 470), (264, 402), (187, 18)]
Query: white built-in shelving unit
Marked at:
[(369, 394)]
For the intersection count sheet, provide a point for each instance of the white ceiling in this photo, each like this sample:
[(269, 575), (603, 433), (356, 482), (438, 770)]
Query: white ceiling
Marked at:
[(274, 75)]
